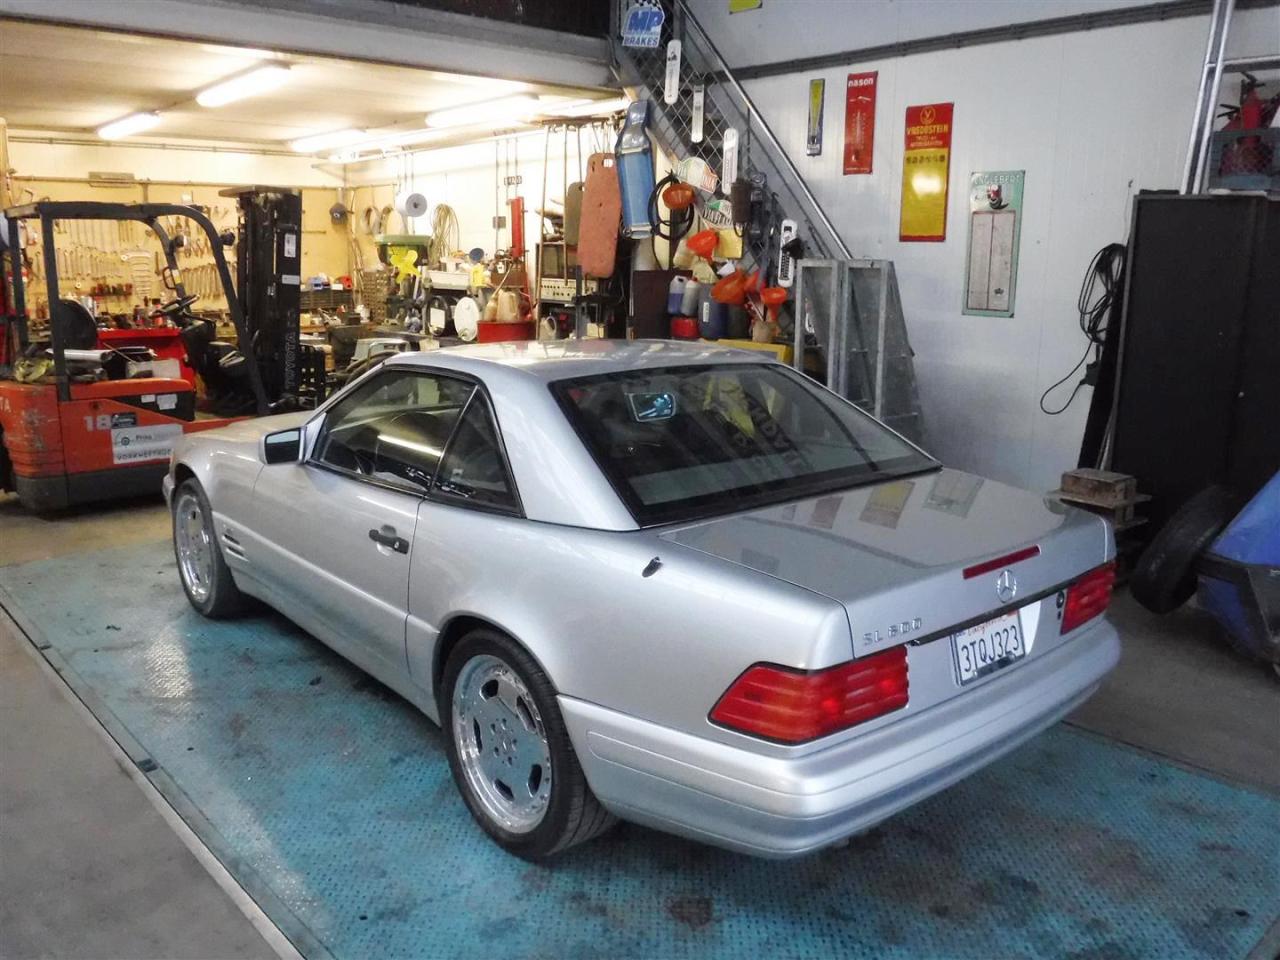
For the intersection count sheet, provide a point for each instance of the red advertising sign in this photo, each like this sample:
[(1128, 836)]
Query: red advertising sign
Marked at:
[(926, 166), (859, 121)]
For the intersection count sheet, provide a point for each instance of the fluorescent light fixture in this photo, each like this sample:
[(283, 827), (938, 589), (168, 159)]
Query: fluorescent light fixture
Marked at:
[(261, 79), (327, 141), (507, 109), (490, 84), (128, 126), (588, 108)]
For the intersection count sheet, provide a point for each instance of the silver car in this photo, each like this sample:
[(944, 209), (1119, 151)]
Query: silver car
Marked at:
[(675, 584)]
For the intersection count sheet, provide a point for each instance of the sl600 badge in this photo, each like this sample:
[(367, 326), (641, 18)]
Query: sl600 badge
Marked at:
[(894, 631)]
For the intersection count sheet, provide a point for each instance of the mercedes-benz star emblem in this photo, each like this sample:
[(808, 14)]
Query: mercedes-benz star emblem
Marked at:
[(1006, 586)]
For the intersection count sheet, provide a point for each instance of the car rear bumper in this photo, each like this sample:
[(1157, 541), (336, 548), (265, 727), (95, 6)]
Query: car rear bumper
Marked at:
[(787, 806)]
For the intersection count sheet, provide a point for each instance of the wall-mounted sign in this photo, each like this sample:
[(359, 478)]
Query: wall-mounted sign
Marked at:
[(926, 165), (995, 224), (642, 24), (859, 121), (742, 6), (813, 138)]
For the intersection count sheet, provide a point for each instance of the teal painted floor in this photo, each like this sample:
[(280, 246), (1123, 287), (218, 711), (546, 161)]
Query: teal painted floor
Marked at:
[(330, 800)]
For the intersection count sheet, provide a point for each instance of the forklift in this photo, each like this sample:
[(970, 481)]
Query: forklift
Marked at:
[(75, 425)]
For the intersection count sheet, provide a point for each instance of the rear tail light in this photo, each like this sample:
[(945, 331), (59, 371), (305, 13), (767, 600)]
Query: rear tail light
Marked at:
[(792, 706), (1088, 597)]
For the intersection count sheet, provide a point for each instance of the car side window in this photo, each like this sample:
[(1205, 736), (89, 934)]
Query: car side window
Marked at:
[(394, 428), (474, 470)]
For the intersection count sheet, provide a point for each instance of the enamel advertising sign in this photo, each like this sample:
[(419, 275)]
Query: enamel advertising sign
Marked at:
[(859, 121), (926, 165)]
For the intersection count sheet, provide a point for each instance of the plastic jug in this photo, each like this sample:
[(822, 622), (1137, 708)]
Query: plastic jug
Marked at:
[(689, 301), (675, 294), (711, 315)]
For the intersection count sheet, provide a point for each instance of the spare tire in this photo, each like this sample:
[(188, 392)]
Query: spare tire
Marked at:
[(1165, 576)]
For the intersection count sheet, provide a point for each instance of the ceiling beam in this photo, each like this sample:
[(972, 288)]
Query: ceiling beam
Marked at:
[(375, 31)]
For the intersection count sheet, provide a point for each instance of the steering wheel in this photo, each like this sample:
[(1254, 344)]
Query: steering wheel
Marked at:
[(176, 306)]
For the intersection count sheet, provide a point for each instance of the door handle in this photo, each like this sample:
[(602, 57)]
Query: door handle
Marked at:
[(387, 537)]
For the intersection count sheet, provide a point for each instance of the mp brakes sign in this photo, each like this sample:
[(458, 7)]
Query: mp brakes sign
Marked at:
[(140, 444), (642, 24)]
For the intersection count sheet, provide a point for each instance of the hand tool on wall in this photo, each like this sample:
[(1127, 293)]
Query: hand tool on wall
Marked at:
[(786, 258)]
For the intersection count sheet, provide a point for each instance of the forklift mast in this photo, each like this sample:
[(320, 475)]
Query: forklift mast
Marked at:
[(269, 268), (44, 213)]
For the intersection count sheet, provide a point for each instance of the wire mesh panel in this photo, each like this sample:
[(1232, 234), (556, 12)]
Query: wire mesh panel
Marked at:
[(850, 331), (725, 107), (1245, 159)]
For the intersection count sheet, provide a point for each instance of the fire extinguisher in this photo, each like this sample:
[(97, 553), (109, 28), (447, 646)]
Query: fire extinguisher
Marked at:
[(1248, 154)]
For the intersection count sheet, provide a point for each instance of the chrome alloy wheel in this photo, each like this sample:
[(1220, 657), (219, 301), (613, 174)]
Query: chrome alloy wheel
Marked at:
[(195, 546), (502, 744)]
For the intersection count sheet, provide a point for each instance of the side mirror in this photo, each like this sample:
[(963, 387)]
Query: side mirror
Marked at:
[(283, 446)]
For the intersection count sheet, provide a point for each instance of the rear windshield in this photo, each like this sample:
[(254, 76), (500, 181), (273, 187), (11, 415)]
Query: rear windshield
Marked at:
[(682, 443)]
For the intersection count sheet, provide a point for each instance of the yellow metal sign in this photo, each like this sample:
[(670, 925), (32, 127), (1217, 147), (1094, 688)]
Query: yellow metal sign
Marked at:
[(926, 164)]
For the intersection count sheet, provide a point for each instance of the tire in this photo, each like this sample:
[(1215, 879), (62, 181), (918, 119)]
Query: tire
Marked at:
[(1165, 576), (206, 580), (6, 466), (490, 681)]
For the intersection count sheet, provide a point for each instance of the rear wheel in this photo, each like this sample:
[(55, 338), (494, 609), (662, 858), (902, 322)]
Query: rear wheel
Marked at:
[(510, 752), (6, 466), (1165, 576), (205, 577)]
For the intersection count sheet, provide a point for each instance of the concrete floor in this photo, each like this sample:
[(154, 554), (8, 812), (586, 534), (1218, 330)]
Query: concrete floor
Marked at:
[(87, 868), (1180, 691)]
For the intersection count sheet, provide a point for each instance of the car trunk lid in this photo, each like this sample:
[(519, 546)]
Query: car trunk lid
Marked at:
[(915, 557)]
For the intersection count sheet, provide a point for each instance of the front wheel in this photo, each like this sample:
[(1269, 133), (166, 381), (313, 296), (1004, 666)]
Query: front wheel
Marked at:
[(203, 571), (510, 752)]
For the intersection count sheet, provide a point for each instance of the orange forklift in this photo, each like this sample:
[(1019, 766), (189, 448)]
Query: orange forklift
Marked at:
[(75, 425)]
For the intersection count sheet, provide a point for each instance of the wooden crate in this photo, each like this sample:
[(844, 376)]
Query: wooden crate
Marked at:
[(1099, 487), (1121, 515)]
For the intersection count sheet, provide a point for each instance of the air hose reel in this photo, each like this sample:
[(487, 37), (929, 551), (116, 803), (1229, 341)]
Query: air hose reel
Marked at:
[(678, 197)]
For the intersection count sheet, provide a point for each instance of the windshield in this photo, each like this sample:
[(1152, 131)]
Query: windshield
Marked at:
[(683, 443)]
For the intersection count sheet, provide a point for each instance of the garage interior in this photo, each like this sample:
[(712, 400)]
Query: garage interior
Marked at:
[(839, 184)]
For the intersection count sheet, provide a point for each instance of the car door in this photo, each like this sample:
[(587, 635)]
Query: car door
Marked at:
[(339, 525), (471, 517)]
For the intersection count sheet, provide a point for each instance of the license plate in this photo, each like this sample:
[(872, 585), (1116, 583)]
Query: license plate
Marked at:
[(987, 647)]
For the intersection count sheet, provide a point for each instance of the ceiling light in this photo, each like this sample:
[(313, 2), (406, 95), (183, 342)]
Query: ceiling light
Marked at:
[(488, 83), (128, 126), (488, 111), (261, 79), (327, 141), (588, 108)]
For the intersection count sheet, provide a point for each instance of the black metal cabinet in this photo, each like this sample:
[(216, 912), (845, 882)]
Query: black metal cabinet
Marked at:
[(1198, 398)]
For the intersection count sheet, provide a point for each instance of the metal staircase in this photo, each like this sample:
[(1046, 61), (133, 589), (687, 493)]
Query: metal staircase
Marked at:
[(850, 333), (727, 105)]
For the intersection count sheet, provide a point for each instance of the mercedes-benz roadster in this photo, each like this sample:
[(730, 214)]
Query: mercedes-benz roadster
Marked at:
[(675, 584)]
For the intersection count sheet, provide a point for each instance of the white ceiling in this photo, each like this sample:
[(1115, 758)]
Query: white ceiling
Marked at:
[(71, 80)]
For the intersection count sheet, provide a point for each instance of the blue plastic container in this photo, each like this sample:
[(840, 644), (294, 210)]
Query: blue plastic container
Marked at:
[(712, 315)]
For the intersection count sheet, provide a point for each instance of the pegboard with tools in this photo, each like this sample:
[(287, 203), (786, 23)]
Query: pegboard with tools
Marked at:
[(119, 263)]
